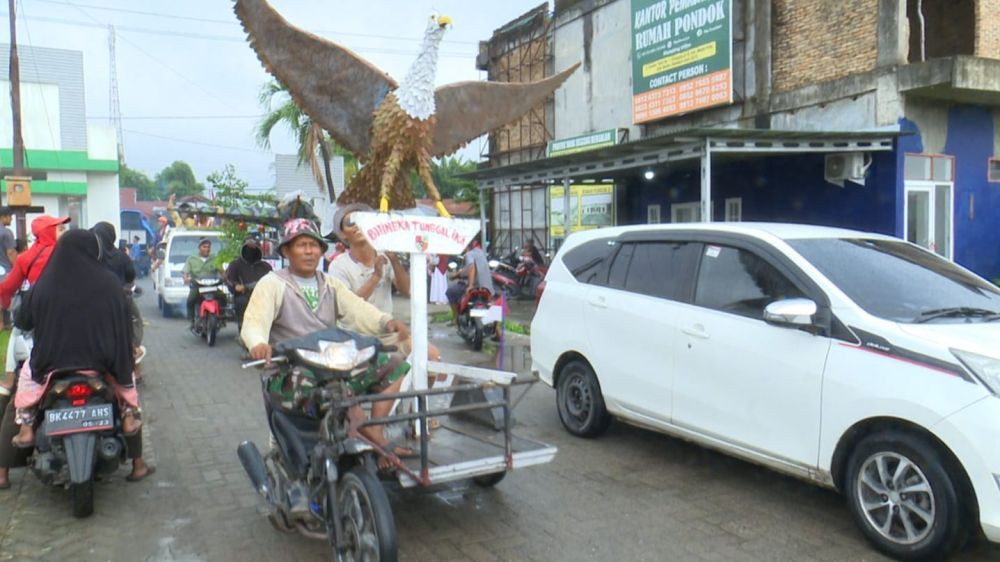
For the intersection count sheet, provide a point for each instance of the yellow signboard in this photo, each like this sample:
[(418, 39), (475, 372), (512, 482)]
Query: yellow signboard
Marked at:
[(590, 206)]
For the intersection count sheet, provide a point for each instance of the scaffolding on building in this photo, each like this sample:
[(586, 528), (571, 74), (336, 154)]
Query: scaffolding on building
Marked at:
[(520, 51)]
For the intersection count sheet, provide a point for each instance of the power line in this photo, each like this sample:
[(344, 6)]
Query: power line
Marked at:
[(234, 23), (160, 62), (177, 117), (45, 106), (210, 37), (198, 143)]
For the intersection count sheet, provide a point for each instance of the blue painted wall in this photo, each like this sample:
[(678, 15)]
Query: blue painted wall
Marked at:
[(779, 188), (792, 189), (977, 201)]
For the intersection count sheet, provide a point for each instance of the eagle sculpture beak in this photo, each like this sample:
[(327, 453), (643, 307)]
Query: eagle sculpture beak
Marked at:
[(444, 21)]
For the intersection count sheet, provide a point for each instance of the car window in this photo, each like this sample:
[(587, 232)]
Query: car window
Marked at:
[(740, 282), (898, 281), (181, 247), (660, 269), (619, 267), (587, 261)]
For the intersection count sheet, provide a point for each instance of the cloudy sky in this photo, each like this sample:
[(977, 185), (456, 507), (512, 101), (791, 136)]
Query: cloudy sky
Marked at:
[(188, 81)]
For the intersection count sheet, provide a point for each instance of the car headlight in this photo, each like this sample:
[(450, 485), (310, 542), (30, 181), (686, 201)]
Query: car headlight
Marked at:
[(337, 356), (986, 369)]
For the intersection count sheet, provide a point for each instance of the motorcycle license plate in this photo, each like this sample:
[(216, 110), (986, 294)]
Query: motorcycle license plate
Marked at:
[(76, 420), (207, 289), (478, 312)]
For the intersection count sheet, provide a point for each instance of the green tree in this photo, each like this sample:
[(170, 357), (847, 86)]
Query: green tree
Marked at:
[(146, 189), (231, 194), (178, 179), (446, 174), (316, 148)]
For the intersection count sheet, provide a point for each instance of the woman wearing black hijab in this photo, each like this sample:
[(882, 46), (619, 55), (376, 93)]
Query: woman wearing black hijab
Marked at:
[(124, 268), (113, 258), (80, 319)]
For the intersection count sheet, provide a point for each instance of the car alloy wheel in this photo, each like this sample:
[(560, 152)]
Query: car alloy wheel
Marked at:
[(896, 498)]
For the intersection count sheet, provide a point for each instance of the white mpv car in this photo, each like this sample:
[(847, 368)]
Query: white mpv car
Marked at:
[(857, 361)]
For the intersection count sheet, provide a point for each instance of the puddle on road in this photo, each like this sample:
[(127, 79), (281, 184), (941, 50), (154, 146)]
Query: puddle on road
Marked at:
[(513, 354)]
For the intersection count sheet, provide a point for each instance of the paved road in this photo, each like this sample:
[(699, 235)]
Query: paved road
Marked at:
[(631, 495)]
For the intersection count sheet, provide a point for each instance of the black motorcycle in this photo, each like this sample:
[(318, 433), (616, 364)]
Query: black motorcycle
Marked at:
[(79, 436), (320, 479)]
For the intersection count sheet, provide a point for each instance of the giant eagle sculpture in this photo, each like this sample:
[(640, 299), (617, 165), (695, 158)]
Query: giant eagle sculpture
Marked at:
[(391, 128)]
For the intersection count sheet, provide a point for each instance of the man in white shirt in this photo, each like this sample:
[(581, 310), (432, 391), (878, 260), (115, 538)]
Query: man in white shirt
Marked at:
[(368, 272)]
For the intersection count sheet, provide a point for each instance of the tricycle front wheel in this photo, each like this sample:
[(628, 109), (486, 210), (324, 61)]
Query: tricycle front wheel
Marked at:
[(366, 518)]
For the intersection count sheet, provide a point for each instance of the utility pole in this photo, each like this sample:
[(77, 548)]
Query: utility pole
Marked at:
[(15, 95), (18, 184)]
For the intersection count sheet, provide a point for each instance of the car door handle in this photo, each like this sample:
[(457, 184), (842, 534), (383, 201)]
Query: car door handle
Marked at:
[(696, 332), (598, 302)]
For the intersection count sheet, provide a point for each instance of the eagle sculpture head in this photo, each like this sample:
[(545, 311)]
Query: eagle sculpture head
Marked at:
[(416, 93)]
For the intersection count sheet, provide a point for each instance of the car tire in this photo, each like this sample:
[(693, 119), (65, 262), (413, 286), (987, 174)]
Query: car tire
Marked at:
[(580, 402), (903, 497), (167, 310)]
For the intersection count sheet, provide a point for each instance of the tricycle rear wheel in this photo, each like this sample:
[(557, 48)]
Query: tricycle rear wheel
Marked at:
[(489, 480)]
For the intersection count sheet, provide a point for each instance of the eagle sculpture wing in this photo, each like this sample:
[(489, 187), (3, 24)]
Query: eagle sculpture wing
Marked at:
[(466, 110), (335, 87)]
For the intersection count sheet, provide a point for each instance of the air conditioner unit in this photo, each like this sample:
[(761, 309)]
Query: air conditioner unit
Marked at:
[(845, 166)]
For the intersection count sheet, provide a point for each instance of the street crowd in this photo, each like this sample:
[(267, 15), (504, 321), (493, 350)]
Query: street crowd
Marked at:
[(96, 327)]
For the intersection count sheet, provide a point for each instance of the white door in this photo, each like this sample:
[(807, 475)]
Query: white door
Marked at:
[(928, 215), (738, 378), (631, 325)]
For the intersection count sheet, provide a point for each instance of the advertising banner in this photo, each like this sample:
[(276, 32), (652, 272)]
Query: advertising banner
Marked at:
[(590, 206), (583, 143), (682, 57)]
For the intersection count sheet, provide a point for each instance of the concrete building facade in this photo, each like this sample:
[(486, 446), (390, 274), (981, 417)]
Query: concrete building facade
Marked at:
[(905, 93), (74, 165), (291, 177)]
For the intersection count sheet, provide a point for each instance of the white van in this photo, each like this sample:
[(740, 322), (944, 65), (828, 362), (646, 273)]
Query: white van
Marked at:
[(171, 291), (857, 361)]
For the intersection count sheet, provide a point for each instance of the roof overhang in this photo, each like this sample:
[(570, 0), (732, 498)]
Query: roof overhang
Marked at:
[(688, 144), (958, 79)]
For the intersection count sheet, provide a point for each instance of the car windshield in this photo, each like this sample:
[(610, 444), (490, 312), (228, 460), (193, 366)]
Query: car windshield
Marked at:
[(901, 282), (184, 246)]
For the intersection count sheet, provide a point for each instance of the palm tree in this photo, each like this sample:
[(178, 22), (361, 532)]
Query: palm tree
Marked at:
[(315, 146)]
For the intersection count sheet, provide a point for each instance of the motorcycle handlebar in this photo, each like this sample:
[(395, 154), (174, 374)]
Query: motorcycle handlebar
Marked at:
[(259, 362)]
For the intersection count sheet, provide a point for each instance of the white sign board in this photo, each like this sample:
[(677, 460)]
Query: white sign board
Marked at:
[(394, 232)]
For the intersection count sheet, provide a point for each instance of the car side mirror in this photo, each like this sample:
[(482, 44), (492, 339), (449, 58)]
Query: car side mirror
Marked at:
[(791, 313), (160, 254)]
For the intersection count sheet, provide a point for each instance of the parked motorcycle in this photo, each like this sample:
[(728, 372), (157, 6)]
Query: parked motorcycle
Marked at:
[(504, 279), (473, 313), (211, 317), (79, 436), (319, 479), (517, 276)]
